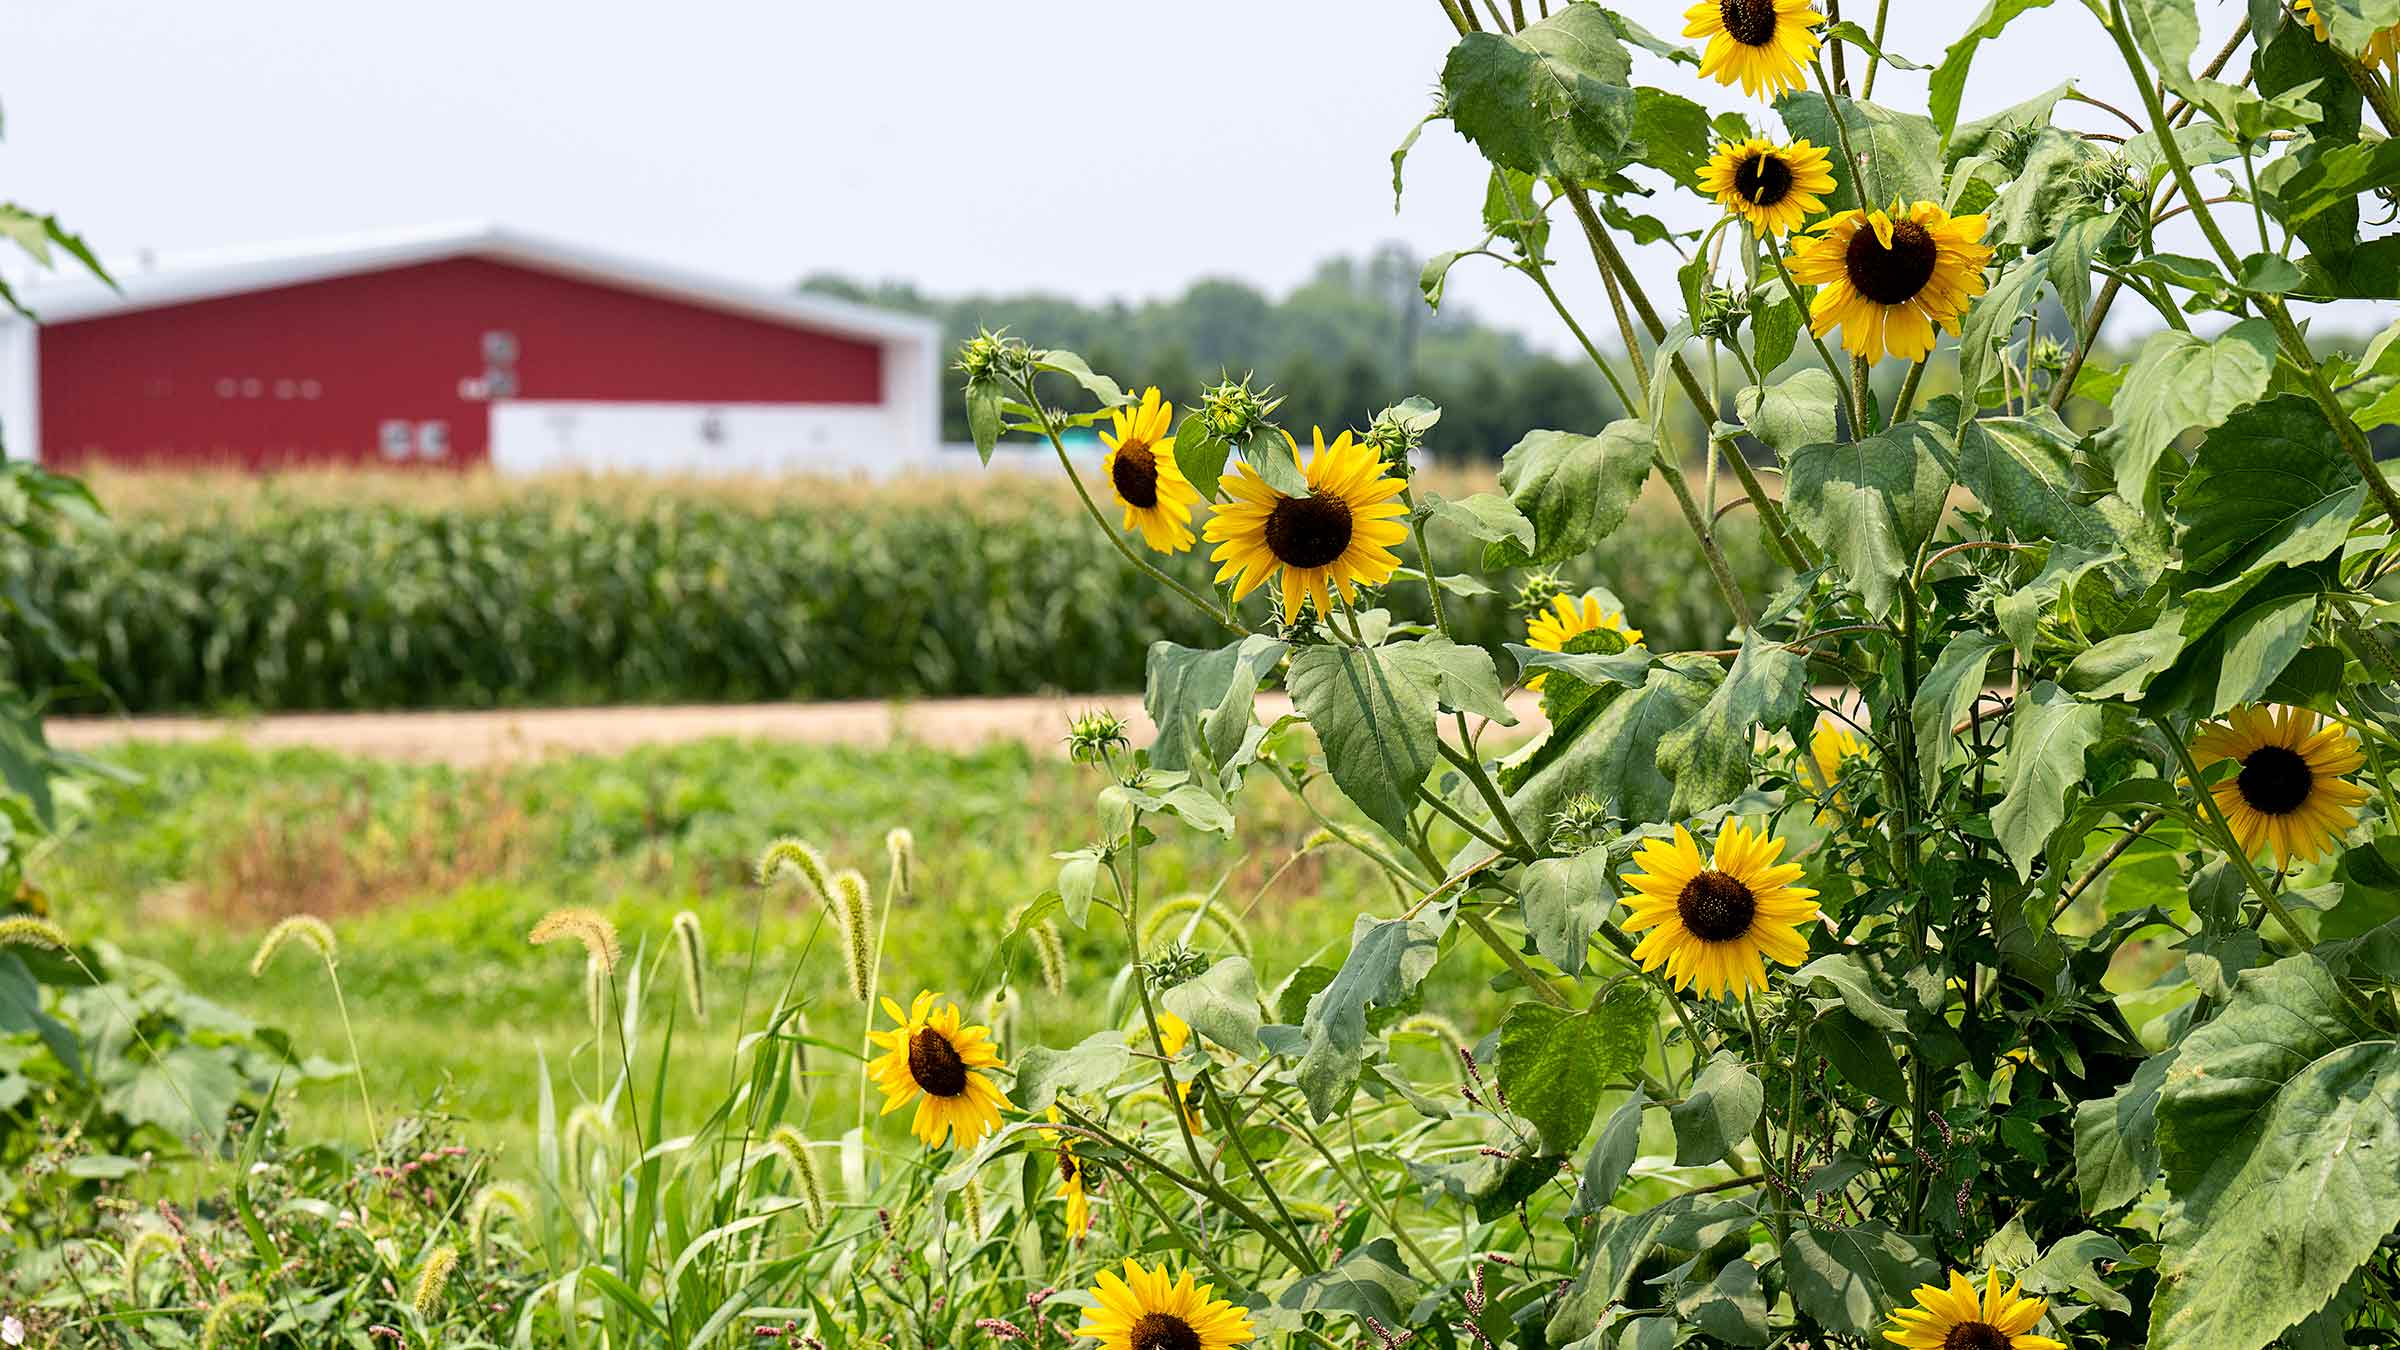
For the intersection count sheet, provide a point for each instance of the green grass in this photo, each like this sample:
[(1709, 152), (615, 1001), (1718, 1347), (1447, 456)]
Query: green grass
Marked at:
[(431, 877)]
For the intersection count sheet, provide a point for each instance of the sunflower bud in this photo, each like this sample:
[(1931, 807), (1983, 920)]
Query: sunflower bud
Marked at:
[(1536, 591), (1233, 410), (2047, 354), (990, 353), (2107, 180), (1176, 964), (1398, 432), (1095, 735), (1581, 823), (2014, 146), (1720, 314)]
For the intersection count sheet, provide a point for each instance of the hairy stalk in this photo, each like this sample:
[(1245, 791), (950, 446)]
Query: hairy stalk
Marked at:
[(2225, 840)]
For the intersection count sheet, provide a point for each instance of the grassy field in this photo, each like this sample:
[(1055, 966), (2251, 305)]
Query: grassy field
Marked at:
[(431, 877)]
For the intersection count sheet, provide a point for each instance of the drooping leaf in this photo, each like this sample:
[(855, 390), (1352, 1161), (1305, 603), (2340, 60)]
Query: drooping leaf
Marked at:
[(1943, 699), (1718, 1112), (1990, 325), (2270, 486), (1555, 1063), (1950, 77), (2047, 739), (1872, 503), (1203, 696), (1564, 902), (1551, 100), (1388, 959), (1221, 1004), (1850, 1279), (1859, 1053), (1087, 1066), (1371, 1280), (1709, 757), (1487, 516), (2279, 1131), (1902, 148), (1613, 753), (1575, 489), (1792, 413), (2179, 382), (1374, 708), (1611, 1158)]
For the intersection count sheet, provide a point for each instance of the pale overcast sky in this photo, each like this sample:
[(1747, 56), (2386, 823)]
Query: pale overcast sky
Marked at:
[(1095, 147)]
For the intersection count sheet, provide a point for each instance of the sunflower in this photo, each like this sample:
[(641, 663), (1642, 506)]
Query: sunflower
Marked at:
[(2289, 792), (1887, 278), (1342, 531), (931, 1060), (2382, 50), (1075, 1183), (1714, 923), (1830, 748), (1775, 188), (1552, 629), (1765, 44), (1145, 1311), (1141, 470), (1955, 1319)]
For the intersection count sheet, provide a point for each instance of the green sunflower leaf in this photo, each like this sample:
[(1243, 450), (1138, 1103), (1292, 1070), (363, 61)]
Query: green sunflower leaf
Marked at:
[(1709, 757), (2279, 1132), (1575, 489), (1554, 1063), (1873, 503), (1950, 77), (1903, 149), (1850, 1279), (2046, 741), (1551, 100), (1717, 1114), (2180, 381)]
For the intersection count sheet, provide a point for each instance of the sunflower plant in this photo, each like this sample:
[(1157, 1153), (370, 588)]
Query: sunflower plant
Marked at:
[(1993, 942)]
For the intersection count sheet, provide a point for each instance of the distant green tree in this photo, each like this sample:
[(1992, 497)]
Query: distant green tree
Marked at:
[(1353, 338)]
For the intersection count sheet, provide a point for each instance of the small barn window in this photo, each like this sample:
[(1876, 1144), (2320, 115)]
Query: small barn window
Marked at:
[(251, 387), (310, 389), (394, 436), (433, 440), (226, 388), (285, 389)]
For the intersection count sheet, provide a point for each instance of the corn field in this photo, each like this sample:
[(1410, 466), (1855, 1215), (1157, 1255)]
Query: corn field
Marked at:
[(553, 594)]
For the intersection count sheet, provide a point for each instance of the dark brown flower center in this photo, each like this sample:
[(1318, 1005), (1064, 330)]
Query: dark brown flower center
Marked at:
[(2275, 780), (1164, 1331), (1762, 180), (1892, 276), (1975, 1336), (935, 1064), (1068, 1168), (1752, 22), (1134, 471), (1716, 907), (1308, 531)]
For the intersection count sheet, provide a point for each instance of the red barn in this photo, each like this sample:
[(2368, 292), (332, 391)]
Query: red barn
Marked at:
[(462, 346)]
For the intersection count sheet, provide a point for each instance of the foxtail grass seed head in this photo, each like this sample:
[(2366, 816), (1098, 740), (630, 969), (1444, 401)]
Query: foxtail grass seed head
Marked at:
[(854, 911), (433, 1279), (306, 929), (597, 934), (691, 960), (588, 1123), (148, 1244), (799, 858), (901, 847), (970, 1208), (494, 1202), (1187, 916), (790, 1145), (1051, 952), (24, 930), (1095, 735), (223, 1326), (1440, 1028)]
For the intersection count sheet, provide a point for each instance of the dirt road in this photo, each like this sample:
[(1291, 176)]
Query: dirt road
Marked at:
[(474, 738)]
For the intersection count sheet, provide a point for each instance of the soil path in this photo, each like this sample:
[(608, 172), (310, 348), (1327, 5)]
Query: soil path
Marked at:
[(476, 738)]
